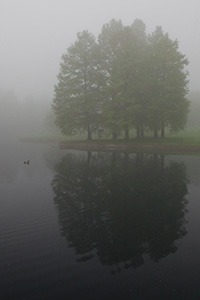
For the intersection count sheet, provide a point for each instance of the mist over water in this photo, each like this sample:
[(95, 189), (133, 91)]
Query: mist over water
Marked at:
[(97, 224)]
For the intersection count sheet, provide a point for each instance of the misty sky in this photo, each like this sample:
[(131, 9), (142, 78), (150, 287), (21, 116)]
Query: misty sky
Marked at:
[(35, 33)]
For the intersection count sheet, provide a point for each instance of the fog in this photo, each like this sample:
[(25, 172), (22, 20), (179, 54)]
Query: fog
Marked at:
[(35, 33)]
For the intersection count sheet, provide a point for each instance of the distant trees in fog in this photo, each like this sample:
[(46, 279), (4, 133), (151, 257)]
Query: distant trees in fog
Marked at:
[(23, 118), (124, 79)]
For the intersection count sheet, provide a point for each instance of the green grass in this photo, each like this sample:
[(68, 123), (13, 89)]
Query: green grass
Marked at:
[(168, 141), (188, 137)]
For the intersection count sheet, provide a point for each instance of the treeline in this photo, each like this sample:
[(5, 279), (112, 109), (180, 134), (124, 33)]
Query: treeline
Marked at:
[(28, 117), (193, 117), (122, 80)]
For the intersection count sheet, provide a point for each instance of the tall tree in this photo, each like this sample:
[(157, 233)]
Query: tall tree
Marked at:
[(140, 76), (76, 102), (124, 80), (127, 74), (110, 41), (168, 105)]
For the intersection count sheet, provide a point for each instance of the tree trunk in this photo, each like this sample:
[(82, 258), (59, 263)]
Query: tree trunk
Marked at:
[(89, 137), (137, 132), (142, 131), (126, 131), (163, 132), (114, 135), (155, 134)]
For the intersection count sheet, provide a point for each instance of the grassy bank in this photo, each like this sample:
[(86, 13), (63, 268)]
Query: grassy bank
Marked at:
[(188, 138)]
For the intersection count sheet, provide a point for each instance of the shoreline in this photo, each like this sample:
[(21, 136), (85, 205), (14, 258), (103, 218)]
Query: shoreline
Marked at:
[(127, 147), (119, 146)]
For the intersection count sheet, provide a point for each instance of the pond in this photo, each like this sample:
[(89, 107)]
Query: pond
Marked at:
[(98, 225)]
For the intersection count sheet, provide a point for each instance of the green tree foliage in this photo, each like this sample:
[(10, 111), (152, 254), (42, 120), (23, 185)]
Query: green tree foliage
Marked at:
[(140, 75), (76, 101), (123, 80), (125, 61), (193, 117), (110, 44), (168, 105)]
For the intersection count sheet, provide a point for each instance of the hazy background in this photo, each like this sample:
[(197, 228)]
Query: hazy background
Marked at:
[(35, 33)]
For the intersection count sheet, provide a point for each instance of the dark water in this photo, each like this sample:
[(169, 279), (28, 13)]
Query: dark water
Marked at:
[(97, 225)]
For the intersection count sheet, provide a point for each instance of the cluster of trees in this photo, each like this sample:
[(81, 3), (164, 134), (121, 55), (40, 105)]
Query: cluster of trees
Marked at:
[(193, 117), (124, 79), (18, 118)]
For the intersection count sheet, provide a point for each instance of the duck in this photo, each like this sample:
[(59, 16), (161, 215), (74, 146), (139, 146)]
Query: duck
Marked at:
[(27, 162)]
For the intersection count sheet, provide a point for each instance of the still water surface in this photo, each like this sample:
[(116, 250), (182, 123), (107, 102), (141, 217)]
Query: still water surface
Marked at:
[(98, 225)]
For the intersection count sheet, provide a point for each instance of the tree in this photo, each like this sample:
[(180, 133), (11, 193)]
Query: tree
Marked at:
[(125, 53), (168, 106), (140, 76), (76, 102), (124, 80), (110, 40)]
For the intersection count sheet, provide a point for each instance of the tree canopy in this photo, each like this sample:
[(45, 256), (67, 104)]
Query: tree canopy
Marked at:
[(124, 79)]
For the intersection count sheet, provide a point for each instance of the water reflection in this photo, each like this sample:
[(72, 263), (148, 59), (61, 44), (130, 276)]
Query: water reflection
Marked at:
[(120, 206)]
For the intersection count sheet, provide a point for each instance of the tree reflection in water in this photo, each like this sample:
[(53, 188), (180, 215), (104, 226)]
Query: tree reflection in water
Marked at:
[(120, 206)]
